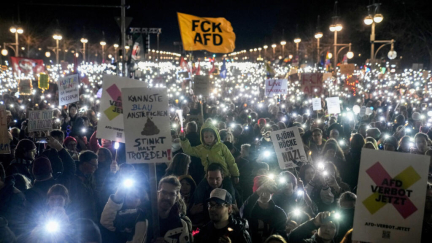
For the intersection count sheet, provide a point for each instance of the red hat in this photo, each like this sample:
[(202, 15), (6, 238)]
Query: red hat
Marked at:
[(262, 120), (258, 181), (69, 139), (42, 166)]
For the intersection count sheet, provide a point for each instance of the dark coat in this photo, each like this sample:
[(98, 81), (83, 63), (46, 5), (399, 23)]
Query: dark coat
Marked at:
[(239, 233), (272, 220), (12, 206), (302, 234)]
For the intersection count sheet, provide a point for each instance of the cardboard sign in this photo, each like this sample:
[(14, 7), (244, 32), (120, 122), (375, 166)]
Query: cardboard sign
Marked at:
[(110, 125), (390, 197), (362, 111), (147, 125), (201, 85), (276, 87), (4, 135), (40, 120), (68, 89), (316, 104), (347, 69), (25, 87), (312, 83), (333, 105), (327, 76), (288, 146)]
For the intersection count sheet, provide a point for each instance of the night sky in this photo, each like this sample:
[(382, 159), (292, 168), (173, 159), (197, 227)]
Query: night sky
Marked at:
[(255, 22)]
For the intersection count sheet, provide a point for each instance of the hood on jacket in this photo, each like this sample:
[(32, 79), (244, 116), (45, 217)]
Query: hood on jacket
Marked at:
[(212, 127)]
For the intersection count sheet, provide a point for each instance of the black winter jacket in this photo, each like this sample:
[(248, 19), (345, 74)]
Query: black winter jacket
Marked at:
[(236, 230)]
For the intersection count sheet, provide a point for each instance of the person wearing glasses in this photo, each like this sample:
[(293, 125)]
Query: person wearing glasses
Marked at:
[(223, 227)]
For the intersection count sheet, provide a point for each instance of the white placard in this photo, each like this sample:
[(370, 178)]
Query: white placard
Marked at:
[(68, 89), (275, 87), (316, 104), (288, 146), (368, 111), (4, 134), (147, 125), (362, 111), (180, 115), (390, 197), (110, 125), (333, 105), (40, 120)]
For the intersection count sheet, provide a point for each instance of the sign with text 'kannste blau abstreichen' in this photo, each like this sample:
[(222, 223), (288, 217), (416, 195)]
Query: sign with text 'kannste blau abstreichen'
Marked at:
[(147, 125)]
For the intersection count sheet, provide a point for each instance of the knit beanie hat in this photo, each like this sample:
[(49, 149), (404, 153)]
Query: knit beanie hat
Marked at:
[(69, 139), (261, 121), (42, 166)]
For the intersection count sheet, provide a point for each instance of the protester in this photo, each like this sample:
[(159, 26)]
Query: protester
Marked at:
[(179, 166), (327, 230), (223, 227), (188, 187), (25, 153)]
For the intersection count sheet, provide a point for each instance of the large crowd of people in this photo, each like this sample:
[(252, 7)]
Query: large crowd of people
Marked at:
[(224, 183)]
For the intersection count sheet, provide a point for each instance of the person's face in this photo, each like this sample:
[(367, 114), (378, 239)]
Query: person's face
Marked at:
[(185, 187), (72, 111), (327, 231), (189, 129), (331, 153), (59, 139), (56, 201), (309, 174), (30, 155), (334, 134), (209, 138), (421, 144), (405, 147), (244, 152), (72, 145), (288, 188), (345, 204), (214, 179), (101, 156), (167, 196), (89, 167), (132, 200), (264, 196), (218, 212), (317, 137)]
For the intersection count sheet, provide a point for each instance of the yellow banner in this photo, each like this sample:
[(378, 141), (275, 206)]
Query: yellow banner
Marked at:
[(215, 35)]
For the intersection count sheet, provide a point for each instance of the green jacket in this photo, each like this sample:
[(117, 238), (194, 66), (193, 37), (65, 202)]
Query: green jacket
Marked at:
[(218, 153)]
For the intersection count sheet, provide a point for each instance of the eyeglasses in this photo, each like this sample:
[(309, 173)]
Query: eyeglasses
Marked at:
[(215, 205)]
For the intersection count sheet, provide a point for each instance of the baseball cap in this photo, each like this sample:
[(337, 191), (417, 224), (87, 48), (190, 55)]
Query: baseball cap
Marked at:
[(220, 196)]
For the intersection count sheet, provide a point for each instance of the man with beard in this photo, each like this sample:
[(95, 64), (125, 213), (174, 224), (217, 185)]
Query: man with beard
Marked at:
[(223, 227), (174, 226)]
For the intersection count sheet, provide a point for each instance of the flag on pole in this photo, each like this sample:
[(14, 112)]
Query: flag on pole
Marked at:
[(212, 34), (198, 70), (223, 71), (183, 64)]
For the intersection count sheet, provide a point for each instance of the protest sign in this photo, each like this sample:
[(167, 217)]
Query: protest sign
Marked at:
[(362, 111), (40, 120), (215, 35), (201, 85), (288, 146), (333, 105), (347, 69), (276, 87), (27, 66), (25, 86), (390, 196), (110, 125), (147, 125), (4, 135), (68, 89), (312, 83), (316, 104)]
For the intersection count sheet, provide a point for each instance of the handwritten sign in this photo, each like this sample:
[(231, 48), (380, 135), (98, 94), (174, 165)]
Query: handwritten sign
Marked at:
[(288, 146), (276, 87), (110, 125), (312, 83), (347, 69), (40, 120), (68, 89), (316, 104), (201, 85), (147, 125), (391, 197), (333, 105), (4, 136)]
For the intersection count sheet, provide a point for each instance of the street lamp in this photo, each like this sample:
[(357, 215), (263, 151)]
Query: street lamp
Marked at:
[(318, 36), (84, 41), (15, 30), (283, 43), (265, 50), (274, 46), (47, 54), (4, 52), (297, 41), (115, 50), (103, 43), (377, 18), (57, 37), (259, 49)]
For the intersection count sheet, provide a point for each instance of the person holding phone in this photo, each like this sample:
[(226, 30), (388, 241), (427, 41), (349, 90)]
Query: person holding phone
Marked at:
[(327, 229)]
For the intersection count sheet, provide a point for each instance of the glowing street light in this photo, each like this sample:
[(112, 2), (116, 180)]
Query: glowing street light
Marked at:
[(103, 43), (273, 46), (283, 43), (115, 50), (57, 37), (318, 36), (84, 41), (265, 50)]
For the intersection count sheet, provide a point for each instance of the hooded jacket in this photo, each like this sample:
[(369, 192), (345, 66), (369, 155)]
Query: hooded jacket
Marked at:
[(236, 230), (217, 153)]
